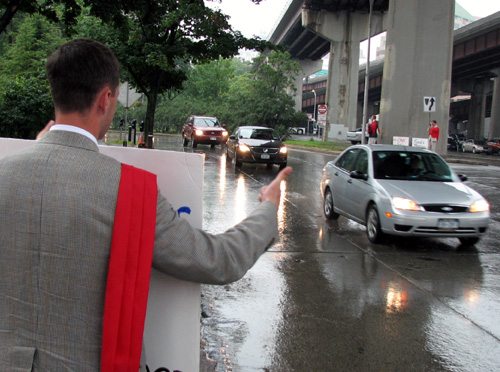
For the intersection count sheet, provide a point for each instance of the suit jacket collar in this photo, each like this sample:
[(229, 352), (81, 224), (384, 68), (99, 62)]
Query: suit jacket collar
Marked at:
[(71, 139)]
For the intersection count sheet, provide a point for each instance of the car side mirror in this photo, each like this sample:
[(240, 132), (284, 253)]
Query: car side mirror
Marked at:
[(232, 136), (462, 177), (358, 175)]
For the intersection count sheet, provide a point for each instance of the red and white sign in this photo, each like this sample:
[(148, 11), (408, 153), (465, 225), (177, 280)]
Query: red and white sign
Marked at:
[(322, 109)]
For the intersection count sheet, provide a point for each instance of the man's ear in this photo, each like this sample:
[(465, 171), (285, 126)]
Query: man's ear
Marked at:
[(104, 98)]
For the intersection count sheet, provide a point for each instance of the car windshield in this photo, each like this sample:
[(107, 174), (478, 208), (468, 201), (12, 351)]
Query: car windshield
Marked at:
[(262, 134), (411, 166), (206, 122)]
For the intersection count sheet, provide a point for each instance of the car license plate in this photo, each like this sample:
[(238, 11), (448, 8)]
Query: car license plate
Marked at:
[(265, 156), (213, 139), (447, 224)]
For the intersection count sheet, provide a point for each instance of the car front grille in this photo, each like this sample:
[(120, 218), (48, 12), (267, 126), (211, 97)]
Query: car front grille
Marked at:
[(265, 150), (435, 230), (216, 133), (445, 208)]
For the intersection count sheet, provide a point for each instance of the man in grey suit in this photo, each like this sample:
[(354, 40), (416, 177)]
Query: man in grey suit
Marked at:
[(57, 204)]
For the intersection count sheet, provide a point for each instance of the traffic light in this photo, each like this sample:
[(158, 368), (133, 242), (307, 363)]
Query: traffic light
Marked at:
[(134, 124), (141, 126)]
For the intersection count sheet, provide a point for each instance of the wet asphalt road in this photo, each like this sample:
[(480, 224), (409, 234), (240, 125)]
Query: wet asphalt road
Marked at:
[(325, 299)]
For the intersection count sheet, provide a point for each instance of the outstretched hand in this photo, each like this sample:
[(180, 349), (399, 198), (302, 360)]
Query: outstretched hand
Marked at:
[(44, 131), (272, 192)]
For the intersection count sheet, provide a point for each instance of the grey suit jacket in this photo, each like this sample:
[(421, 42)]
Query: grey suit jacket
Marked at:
[(57, 203)]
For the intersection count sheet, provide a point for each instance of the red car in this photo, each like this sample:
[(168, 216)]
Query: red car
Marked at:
[(492, 147), (204, 130)]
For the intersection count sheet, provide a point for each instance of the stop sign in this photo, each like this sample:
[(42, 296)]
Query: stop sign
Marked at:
[(322, 109)]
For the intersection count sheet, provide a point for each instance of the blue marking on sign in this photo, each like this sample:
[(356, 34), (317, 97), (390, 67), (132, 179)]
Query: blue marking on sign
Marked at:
[(184, 209)]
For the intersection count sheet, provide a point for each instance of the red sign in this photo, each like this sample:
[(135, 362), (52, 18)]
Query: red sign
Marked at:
[(322, 109)]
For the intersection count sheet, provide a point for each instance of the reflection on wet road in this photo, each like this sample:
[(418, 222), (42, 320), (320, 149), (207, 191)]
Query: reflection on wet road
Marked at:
[(325, 299)]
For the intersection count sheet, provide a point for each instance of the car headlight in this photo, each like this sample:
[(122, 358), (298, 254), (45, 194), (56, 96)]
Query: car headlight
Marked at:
[(283, 150), (405, 204), (479, 206), (243, 148), (199, 132), (224, 133)]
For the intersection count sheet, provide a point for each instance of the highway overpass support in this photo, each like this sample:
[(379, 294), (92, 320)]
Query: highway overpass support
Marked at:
[(417, 64)]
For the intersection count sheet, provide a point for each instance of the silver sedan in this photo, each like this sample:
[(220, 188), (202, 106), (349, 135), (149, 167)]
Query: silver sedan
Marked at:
[(405, 191)]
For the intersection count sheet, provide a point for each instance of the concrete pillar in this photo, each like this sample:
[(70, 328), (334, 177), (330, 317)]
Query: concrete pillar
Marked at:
[(495, 108), (477, 109), (417, 64), (308, 67), (344, 30)]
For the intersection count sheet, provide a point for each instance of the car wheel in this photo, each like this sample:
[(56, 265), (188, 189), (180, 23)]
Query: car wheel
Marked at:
[(328, 206), (185, 142), (212, 146), (269, 165), (373, 231), (468, 241), (354, 142)]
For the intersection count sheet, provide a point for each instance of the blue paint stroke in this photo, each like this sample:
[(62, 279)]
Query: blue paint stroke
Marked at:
[(184, 209)]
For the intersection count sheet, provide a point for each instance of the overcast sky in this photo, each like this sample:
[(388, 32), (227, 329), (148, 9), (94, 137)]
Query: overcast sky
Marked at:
[(260, 20)]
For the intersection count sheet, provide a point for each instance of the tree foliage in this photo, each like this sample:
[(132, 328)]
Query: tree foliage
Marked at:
[(25, 102), (156, 40), (237, 92)]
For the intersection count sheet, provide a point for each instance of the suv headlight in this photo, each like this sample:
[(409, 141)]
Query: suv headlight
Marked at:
[(243, 148), (199, 132), (283, 150)]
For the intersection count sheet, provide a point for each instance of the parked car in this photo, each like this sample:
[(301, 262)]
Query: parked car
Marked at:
[(253, 144), (203, 130), (455, 142), (470, 146), (406, 191), (355, 135), (492, 147), (297, 130)]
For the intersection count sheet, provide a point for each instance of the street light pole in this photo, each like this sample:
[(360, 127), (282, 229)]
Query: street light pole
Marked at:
[(367, 77), (314, 110)]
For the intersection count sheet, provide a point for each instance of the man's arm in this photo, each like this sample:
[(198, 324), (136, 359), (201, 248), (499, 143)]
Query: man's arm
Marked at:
[(191, 254)]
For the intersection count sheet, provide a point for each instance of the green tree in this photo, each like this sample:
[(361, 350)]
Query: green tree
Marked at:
[(25, 106), (25, 102), (34, 40), (264, 96), (156, 40)]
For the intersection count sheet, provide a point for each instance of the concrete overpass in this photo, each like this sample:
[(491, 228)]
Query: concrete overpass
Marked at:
[(417, 37)]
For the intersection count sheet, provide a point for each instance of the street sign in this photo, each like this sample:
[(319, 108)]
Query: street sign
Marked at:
[(430, 104), (128, 95), (322, 109)]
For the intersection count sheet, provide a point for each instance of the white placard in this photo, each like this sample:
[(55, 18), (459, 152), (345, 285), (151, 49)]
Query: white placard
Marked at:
[(401, 141), (172, 330), (420, 142)]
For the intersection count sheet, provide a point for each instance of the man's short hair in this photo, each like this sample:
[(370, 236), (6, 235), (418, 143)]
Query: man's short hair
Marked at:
[(77, 71)]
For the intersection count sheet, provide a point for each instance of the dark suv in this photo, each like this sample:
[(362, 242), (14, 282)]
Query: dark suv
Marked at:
[(256, 145), (203, 130)]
